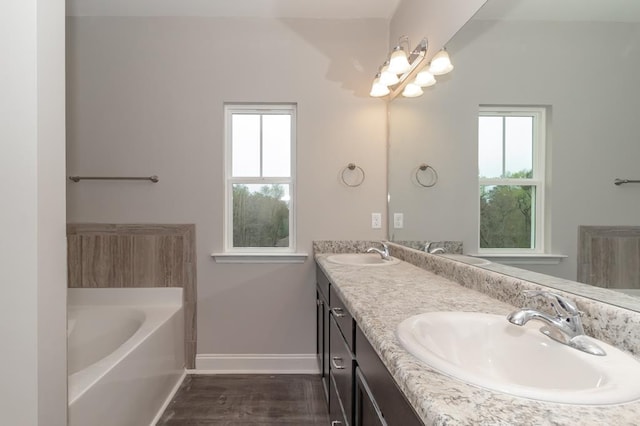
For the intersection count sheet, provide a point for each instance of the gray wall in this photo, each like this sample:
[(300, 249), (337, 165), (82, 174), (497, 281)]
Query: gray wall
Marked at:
[(145, 96), (594, 117)]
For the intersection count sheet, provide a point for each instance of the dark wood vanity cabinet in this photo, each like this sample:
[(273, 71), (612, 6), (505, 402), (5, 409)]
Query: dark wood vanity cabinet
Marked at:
[(322, 331), (366, 411), (361, 391), (387, 398)]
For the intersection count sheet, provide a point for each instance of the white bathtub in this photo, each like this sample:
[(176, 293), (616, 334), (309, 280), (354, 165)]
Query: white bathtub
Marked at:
[(125, 354)]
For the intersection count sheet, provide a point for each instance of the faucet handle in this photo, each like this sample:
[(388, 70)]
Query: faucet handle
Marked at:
[(568, 306)]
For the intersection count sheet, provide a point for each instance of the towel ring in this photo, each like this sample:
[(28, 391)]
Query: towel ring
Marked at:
[(352, 167), (422, 168)]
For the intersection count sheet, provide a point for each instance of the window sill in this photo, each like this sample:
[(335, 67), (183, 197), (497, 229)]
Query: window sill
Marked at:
[(260, 257), (522, 258)]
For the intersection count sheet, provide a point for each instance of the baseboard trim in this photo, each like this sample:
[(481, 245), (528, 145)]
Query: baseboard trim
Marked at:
[(255, 364)]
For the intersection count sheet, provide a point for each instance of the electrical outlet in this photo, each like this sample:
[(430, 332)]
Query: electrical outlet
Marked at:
[(398, 220), (376, 220)]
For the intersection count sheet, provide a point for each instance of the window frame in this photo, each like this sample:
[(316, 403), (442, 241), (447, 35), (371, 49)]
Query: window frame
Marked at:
[(258, 109), (539, 141)]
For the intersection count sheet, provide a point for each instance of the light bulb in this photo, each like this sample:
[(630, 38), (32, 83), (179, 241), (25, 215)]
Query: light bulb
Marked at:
[(398, 63), (412, 90), (378, 89), (441, 63), (387, 77), (425, 78)]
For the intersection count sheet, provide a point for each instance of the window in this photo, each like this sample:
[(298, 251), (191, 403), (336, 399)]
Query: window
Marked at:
[(260, 178), (511, 144)]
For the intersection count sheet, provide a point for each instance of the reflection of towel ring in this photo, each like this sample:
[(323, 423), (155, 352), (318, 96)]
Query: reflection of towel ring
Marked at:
[(422, 168), (352, 167)]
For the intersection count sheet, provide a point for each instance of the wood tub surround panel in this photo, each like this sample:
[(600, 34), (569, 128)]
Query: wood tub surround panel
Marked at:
[(137, 255), (609, 256)]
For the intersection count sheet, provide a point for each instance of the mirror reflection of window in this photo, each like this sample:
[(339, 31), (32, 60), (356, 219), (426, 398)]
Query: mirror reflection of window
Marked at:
[(511, 142)]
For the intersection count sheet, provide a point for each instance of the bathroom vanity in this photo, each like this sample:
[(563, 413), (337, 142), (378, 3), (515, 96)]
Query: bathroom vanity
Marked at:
[(371, 379), (358, 387)]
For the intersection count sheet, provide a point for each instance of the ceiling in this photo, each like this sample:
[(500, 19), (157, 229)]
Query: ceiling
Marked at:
[(330, 9)]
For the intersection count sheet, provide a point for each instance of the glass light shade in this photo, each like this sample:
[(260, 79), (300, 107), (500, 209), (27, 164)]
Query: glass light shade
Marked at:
[(441, 63), (378, 89), (412, 90), (387, 77), (425, 79), (398, 63)]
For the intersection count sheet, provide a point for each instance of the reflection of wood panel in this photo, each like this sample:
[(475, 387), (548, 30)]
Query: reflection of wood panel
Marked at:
[(609, 256), (120, 255)]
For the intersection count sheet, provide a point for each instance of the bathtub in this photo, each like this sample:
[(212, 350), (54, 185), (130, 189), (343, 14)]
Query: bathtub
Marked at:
[(125, 354)]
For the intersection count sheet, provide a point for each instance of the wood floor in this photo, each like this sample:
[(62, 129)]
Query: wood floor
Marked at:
[(248, 400)]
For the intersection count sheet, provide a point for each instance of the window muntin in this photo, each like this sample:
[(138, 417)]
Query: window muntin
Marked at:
[(260, 179), (511, 144)]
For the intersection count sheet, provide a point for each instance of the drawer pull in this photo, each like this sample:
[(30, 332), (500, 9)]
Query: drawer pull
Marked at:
[(338, 312), (334, 362), (336, 423)]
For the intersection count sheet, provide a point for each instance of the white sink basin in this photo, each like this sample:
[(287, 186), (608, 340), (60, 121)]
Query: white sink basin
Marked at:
[(476, 261), (487, 351), (361, 259)]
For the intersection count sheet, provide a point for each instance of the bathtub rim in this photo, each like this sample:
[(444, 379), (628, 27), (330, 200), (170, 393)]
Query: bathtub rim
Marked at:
[(157, 313)]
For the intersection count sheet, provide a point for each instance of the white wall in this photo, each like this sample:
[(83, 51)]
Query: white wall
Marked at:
[(146, 97), (32, 247), (594, 110)]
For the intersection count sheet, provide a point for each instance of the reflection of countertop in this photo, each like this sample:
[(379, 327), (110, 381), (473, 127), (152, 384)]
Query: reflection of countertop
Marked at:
[(629, 291), (380, 298)]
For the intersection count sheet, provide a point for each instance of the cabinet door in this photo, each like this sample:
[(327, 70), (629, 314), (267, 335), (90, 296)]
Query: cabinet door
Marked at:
[(322, 341), (395, 409), (367, 412), (336, 411)]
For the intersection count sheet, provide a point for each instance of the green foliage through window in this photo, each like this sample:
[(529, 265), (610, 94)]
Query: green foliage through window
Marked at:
[(506, 216), (260, 215)]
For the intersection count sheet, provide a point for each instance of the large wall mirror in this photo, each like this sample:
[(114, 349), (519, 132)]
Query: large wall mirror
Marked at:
[(579, 60)]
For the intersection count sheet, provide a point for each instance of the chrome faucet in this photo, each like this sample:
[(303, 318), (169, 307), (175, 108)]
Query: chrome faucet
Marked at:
[(384, 253), (428, 249), (565, 327)]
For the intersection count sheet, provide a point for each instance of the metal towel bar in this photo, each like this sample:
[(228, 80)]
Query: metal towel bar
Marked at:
[(153, 178), (621, 181)]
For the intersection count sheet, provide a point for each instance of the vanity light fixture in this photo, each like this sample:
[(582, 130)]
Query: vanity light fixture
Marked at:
[(394, 72), (387, 77), (425, 78), (412, 90), (398, 62), (378, 89), (440, 63)]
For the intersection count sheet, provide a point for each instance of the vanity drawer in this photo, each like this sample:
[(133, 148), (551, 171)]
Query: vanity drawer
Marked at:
[(342, 316), (341, 367)]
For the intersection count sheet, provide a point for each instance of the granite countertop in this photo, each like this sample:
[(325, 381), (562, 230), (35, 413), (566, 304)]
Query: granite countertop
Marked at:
[(379, 298)]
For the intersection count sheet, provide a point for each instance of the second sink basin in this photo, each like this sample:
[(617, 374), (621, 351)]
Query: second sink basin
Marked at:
[(487, 351), (361, 259)]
